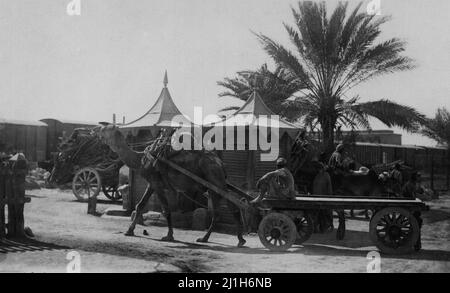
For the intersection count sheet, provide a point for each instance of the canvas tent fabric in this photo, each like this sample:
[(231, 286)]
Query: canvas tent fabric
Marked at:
[(163, 113), (255, 112)]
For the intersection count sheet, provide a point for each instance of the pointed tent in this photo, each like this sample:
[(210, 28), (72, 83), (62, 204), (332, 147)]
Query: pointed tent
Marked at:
[(245, 164), (163, 113), (253, 112)]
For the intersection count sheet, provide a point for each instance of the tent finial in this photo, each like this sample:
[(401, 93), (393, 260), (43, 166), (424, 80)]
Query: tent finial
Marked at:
[(166, 81)]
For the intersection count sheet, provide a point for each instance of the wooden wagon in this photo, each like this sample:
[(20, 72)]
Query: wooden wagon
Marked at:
[(89, 165), (394, 228)]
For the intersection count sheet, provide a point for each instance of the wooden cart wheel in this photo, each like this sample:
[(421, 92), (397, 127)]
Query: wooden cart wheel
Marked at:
[(86, 183), (277, 232), (394, 231), (305, 228), (111, 192)]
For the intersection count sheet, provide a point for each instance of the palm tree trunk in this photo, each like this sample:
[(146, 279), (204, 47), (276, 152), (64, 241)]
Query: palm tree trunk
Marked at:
[(328, 135)]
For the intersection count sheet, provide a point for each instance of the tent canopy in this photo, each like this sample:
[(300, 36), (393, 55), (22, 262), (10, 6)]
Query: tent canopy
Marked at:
[(163, 113), (255, 113)]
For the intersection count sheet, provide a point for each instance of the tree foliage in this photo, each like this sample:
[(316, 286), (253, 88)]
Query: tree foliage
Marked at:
[(331, 55)]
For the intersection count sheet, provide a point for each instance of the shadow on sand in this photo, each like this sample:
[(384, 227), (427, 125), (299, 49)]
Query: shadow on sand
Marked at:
[(356, 243), (13, 245)]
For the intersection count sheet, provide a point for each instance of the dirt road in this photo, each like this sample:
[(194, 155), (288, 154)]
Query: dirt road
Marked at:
[(63, 231)]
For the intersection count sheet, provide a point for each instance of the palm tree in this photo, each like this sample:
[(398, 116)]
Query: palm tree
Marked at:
[(273, 86), (333, 55), (438, 128)]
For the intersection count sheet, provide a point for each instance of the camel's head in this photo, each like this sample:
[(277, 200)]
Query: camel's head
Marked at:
[(110, 135)]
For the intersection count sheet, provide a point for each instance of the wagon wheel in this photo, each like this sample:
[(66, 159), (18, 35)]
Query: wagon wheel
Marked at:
[(277, 232), (111, 192), (305, 228), (86, 183), (394, 231)]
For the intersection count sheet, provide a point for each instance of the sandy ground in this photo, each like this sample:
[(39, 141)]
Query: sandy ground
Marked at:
[(61, 226)]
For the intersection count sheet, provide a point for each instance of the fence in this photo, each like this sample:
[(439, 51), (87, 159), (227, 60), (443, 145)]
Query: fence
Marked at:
[(432, 163), (12, 194)]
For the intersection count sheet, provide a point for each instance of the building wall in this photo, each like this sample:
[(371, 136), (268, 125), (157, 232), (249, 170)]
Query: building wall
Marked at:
[(59, 129), (376, 136), (29, 139)]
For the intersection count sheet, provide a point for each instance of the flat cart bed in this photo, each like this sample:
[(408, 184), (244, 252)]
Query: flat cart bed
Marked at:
[(394, 227), (342, 202)]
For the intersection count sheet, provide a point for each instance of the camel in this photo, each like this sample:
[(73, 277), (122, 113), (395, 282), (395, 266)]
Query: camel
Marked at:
[(306, 168), (161, 178), (307, 165)]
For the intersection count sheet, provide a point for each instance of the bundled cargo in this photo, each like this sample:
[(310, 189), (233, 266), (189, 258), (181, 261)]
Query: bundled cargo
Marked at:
[(89, 164)]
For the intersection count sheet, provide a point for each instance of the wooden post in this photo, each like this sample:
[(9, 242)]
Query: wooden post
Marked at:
[(251, 169), (12, 194), (15, 187), (381, 154), (432, 170), (2, 202), (448, 168), (92, 205)]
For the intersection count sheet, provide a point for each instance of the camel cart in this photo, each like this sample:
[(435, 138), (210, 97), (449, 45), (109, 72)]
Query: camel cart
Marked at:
[(89, 165), (394, 228), (89, 181)]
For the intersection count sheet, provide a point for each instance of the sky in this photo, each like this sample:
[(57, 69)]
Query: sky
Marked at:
[(111, 58)]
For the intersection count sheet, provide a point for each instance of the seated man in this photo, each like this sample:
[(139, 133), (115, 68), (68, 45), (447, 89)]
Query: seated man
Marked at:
[(278, 184), (410, 189)]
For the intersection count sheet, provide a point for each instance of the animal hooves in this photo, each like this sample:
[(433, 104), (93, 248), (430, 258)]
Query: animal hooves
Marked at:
[(241, 243), (167, 238), (129, 233), (202, 240)]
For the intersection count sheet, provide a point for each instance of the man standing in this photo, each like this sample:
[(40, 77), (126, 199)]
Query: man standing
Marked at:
[(323, 219), (397, 178), (337, 158), (410, 188)]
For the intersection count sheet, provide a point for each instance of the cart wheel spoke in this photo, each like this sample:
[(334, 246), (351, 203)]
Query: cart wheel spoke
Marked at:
[(394, 230), (277, 232), (111, 192), (304, 226), (86, 183)]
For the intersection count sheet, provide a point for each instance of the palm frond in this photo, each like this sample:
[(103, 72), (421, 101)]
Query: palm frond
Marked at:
[(275, 87), (230, 108), (393, 114), (438, 128), (332, 54)]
